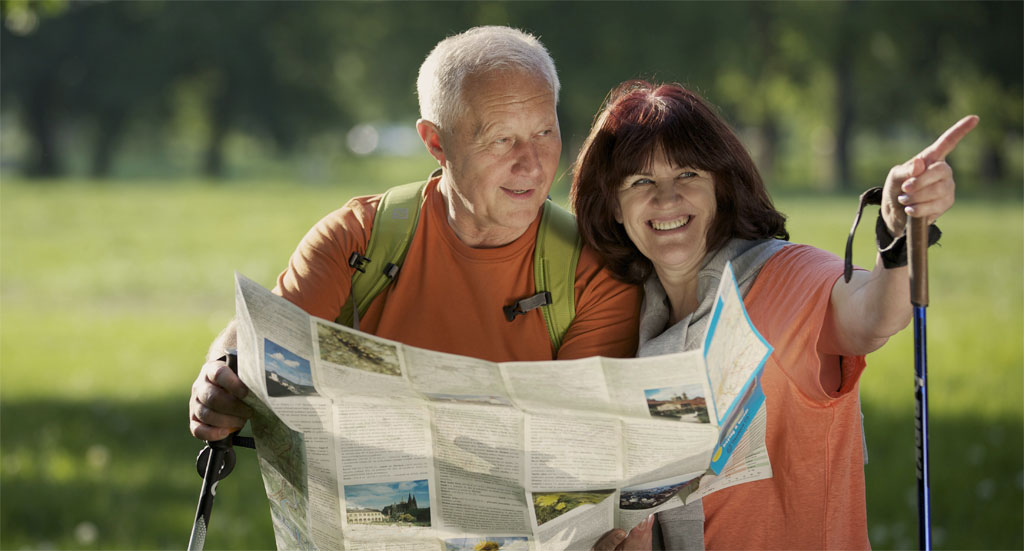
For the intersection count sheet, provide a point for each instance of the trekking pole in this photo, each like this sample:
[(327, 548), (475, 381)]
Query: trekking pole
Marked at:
[(215, 462), (917, 256)]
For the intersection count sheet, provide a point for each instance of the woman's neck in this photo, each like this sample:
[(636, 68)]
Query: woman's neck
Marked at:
[(681, 289)]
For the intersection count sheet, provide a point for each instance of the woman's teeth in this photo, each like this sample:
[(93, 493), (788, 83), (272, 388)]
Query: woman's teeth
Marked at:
[(671, 224)]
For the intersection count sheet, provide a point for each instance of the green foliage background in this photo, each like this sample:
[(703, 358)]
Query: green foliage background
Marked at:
[(165, 89)]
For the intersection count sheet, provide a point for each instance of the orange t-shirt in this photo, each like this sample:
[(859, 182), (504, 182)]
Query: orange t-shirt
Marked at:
[(815, 498), (449, 296)]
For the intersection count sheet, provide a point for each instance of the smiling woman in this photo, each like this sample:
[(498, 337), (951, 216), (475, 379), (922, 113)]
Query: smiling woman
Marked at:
[(668, 196)]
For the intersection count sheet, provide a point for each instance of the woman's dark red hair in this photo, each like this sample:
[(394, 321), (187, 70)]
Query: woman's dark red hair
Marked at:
[(637, 121)]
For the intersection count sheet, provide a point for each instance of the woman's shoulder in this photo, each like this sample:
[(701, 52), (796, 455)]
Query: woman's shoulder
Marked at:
[(798, 269), (800, 258)]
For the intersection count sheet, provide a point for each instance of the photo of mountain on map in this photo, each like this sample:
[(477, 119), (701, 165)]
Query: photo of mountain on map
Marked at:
[(350, 349), (287, 374)]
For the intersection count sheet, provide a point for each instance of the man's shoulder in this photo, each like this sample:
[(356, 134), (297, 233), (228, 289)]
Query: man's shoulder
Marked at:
[(592, 273), (361, 211)]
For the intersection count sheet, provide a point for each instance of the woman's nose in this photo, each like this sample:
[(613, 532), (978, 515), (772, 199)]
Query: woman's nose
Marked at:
[(666, 193)]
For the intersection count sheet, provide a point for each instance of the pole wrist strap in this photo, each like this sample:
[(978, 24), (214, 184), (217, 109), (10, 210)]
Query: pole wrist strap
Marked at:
[(893, 251)]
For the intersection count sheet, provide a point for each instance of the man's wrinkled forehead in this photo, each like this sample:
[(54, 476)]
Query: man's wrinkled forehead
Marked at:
[(488, 96)]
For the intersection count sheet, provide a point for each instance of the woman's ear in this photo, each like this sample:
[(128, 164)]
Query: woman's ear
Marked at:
[(617, 212)]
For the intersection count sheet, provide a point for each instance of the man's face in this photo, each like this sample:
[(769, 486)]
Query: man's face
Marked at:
[(501, 156)]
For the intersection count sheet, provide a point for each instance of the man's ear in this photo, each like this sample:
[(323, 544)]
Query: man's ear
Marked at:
[(430, 134)]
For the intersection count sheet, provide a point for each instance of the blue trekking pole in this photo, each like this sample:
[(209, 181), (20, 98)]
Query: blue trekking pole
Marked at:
[(917, 257)]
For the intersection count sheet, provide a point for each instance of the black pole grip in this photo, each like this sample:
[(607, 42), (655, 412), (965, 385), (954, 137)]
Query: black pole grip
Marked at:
[(216, 460)]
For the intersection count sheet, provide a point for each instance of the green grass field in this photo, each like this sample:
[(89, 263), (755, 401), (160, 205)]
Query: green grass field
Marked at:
[(111, 293)]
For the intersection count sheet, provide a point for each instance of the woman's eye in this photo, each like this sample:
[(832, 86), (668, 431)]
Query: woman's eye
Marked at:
[(641, 182), (687, 174)]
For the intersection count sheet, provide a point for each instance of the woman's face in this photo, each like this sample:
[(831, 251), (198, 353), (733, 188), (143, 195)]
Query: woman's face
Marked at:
[(667, 211)]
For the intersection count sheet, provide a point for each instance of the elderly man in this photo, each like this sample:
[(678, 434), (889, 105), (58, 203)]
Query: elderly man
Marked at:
[(487, 100)]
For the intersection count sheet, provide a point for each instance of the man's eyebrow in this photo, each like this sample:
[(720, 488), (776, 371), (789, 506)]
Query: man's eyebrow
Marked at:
[(482, 129)]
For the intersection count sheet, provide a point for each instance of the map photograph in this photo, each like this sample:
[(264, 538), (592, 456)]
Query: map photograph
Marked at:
[(684, 402), (348, 349), (646, 496), (491, 543), (551, 505), (404, 503), (287, 374)]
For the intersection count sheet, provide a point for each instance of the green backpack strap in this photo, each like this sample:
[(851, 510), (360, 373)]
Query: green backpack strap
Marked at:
[(554, 268), (393, 226)]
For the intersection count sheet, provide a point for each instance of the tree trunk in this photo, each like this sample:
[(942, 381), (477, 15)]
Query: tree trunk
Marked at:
[(220, 118), (844, 95), (844, 124), (108, 136), (769, 144), (993, 165), (764, 21), (41, 111)]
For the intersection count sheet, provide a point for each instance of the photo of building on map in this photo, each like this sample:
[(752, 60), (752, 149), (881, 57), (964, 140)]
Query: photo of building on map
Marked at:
[(348, 349), (388, 503), (287, 374), (493, 543), (684, 402)]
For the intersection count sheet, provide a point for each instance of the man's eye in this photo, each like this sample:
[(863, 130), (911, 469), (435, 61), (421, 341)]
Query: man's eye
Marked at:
[(502, 141), (544, 132)]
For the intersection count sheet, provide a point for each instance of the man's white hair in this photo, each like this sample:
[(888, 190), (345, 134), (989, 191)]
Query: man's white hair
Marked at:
[(476, 51)]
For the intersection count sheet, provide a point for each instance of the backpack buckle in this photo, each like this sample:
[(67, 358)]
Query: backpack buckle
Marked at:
[(524, 305), (358, 262)]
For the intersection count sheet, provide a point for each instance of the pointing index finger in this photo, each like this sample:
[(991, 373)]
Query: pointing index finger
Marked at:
[(948, 140)]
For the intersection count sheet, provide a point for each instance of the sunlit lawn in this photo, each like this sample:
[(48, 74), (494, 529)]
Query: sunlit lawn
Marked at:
[(111, 292)]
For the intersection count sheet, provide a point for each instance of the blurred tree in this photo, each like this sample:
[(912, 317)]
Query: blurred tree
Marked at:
[(111, 62), (793, 78), (31, 79), (266, 65)]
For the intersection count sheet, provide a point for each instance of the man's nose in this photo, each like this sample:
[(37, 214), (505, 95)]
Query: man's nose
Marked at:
[(527, 159)]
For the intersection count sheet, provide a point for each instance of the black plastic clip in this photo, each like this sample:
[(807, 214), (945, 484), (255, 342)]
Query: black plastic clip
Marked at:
[(391, 270), (358, 261), (524, 305)]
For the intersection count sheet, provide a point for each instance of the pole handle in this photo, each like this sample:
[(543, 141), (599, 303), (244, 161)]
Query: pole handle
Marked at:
[(917, 258)]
